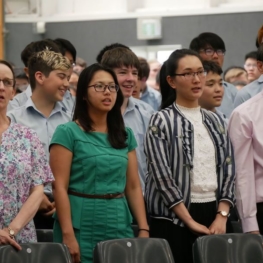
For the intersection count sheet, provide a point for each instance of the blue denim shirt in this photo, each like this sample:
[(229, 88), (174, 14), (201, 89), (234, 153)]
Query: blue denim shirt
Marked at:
[(249, 91), (227, 105), (152, 97), (137, 118)]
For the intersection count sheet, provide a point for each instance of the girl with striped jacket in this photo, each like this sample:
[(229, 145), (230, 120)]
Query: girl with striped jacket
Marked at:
[(191, 173)]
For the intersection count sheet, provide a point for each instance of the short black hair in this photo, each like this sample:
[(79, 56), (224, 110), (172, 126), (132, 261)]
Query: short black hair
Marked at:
[(260, 53), (37, 46), (109, 47), (252, 54), (210, 66), (207, 39), (116, 130), (66, 46)]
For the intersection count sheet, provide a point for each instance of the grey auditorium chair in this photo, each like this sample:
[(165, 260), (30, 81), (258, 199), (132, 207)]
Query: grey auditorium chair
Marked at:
[(35, 253), (228, 248), (133, 250)]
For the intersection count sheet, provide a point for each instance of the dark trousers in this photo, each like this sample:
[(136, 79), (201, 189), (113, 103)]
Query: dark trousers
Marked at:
[(260, 217), (43, 222), (181, 239)]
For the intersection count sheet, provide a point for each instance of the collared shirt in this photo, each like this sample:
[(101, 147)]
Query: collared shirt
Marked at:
[(152, 97), (169, 148), (20, 99), (249, 91), (136, 118), (222, 116), (143, 105), (227, 105), (246, 132), (29, 116)]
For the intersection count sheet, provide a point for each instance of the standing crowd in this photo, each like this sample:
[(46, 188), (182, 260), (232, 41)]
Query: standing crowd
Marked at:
[(88, 150)]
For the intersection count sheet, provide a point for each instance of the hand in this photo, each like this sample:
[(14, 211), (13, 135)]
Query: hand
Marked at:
[(254, 232), (46, 205), (219, 225), (50, 213), (71, 242), (5, 239), (143, 233), (197, 228)]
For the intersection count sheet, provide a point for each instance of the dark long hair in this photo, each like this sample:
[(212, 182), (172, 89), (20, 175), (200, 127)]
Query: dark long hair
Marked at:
[(169, 68), (116, 131), (4, 62)]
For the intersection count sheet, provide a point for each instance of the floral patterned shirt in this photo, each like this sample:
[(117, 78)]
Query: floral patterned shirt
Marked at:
[(23, 165)]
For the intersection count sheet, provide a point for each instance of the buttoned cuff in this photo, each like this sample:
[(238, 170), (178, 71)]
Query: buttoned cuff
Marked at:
[(250, 224)]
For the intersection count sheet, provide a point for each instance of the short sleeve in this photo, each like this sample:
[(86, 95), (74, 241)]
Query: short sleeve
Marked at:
[(41, 172), (63, 136), (131, 141)]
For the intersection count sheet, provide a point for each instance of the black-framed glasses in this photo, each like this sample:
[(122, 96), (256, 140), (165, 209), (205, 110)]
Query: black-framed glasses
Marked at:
[(102, 87), (8, 82), (191, 75), (211, 51)]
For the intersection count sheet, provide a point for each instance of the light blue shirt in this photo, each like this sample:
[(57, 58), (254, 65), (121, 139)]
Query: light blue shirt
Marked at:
[(20, 99), (227, 105), (136, 118), (152, 97), (28, 115), (223, 117), (143, 105), (249, 91)]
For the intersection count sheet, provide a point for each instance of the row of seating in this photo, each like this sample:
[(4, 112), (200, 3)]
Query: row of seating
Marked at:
[(232, 248)]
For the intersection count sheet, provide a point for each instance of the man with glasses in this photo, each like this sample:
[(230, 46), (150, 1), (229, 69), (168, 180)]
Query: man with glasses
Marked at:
[(211, 47), (255, 86)]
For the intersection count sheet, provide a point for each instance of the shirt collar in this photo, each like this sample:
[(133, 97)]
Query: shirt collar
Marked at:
[(260, 79), (58, 107), (28, 91)]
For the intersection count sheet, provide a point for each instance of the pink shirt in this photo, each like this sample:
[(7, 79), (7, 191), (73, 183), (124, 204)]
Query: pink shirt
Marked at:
[(246, 133)]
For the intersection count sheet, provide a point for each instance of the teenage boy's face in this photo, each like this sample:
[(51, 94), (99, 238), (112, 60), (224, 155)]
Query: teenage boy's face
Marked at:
[(213, 92), (56, 84), (209, 54), (127, 79)]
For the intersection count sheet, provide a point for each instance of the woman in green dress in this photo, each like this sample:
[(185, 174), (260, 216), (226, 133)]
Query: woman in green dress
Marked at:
[(94, 163)]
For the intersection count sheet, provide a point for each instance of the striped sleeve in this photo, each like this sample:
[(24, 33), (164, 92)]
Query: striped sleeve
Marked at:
[(229, 175), (158, 158), (229, 181)]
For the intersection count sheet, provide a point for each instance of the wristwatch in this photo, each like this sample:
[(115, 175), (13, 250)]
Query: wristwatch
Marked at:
[(223, 213), (11, 232)]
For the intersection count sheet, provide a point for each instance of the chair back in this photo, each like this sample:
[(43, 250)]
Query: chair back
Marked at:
[(44, 235), (131, 250), (234, 248), (35, 253)]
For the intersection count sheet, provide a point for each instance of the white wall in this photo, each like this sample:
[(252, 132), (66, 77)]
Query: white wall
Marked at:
[(79, 10)]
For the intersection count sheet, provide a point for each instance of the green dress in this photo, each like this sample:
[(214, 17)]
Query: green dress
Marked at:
[(97, 168)]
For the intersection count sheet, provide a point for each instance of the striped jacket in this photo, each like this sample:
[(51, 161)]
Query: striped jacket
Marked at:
[(169, 148)]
